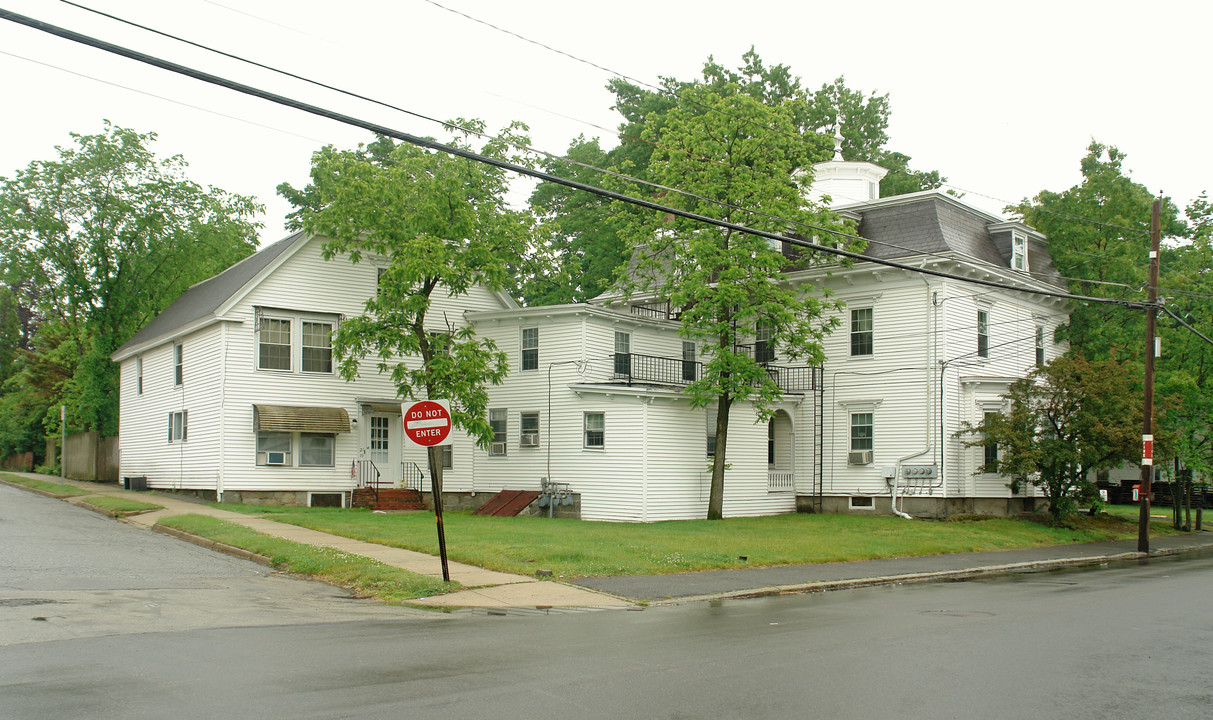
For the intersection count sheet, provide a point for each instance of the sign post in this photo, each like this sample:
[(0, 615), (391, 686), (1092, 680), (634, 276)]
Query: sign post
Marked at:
[(428, 423)]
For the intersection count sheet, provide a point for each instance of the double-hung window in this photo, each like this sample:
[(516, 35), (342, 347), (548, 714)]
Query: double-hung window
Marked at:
[(764, 346), (711, 430), (983, 333), (861, 332), (861, 432), (689, 368), (139, 375), (274, 448), (178, 365), (1040, 345), (498, 422), (595, 430), (1019, 252), (990, 449), (528, 430), (274, 344), (623, 354), (530, 348), (178, 426), (317, 355)]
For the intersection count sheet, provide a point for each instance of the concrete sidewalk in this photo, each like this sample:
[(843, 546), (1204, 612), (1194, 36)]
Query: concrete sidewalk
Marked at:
[(491, 589), (484, 588)]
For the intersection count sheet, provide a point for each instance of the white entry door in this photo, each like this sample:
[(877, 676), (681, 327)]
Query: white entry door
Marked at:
[(383, 446)]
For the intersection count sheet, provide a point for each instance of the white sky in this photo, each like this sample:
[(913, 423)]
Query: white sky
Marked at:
[(1002, 98)]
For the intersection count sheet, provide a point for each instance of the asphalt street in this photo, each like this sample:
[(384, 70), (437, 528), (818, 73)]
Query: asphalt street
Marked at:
[(66, 572), (204, 636)]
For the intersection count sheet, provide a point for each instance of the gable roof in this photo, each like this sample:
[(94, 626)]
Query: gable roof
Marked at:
[(201, 300)]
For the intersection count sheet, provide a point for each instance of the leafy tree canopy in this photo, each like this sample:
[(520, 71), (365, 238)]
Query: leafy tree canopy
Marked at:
[(1064, 421), (101, 239), (587, 231), (728, 286), (439, 226)]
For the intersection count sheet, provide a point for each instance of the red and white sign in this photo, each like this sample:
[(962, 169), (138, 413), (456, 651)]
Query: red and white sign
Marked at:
[(428, 422), (1147, 449)]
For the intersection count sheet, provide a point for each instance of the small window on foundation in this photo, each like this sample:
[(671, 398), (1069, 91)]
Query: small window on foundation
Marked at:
[(862, 503), (330, 500)]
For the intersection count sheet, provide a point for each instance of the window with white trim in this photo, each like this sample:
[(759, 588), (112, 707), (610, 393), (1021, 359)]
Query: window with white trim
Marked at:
[(595, 430), (317, 349), (861, 332), (498, 421), (274, 344), (274, 449), (689, 366), (1019, 252), (990, 449), (139, 375), (178, 426), (447, 453), (1040, 345), (178, 365), (711, 430), (530, 348), (983, 333), (528, 429), (861, 432), (623, 354), (316, 449), (764, 346)]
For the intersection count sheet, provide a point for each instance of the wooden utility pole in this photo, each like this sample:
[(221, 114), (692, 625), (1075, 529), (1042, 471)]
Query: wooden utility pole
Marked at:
[(1147, 420)]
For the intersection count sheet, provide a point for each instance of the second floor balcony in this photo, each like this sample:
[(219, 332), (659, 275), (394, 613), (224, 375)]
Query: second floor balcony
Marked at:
[(634, 368)]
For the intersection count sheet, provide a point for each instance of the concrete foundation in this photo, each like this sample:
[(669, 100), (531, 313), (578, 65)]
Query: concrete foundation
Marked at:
[(925, 506), (264, 497)]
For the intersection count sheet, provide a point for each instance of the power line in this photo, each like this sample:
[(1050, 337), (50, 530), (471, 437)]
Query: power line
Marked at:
[(506, 165), (526, 147)]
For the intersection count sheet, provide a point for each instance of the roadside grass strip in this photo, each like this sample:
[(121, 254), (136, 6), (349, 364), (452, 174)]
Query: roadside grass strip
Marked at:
[(364, 576), (120, 505), (575, 548), (63, 490)]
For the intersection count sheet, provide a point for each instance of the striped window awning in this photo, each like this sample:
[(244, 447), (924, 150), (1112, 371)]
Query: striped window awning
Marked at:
[(289, 418)]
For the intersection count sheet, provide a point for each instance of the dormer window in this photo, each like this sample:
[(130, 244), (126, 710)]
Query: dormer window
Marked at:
[(1019, 252)]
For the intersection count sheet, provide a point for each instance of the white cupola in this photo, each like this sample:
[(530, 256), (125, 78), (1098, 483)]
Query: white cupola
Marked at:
[(845, 182)]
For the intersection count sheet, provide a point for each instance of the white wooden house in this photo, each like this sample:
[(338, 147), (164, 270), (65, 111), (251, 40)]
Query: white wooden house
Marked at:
[(231, 392)]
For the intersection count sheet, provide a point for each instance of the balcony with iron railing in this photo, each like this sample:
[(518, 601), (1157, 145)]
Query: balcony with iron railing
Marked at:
[(634, 368)]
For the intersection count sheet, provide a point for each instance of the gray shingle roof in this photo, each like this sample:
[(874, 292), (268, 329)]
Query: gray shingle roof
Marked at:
[(203, 299)]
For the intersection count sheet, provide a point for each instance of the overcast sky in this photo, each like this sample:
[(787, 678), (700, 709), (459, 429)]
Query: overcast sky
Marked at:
[(1002, 98)]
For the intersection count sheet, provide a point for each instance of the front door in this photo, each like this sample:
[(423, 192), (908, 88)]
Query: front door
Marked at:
[(383, 447)]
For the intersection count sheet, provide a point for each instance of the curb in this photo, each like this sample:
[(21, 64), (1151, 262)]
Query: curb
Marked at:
[(47, 493), (212, 545), (922, 577)]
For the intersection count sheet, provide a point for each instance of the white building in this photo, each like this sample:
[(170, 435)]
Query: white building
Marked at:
[(231, 392)]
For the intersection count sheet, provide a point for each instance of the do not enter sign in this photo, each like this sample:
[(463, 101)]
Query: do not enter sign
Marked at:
[(428, 422)]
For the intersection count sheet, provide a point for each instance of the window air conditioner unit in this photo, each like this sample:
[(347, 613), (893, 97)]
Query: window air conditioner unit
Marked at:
[(275, 458), (860, 457), (497, 448), (530, 440)]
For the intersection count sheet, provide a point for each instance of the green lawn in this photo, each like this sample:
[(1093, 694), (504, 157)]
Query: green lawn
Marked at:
[(66, 490), (574, 548), (366, 577), (121, 504)]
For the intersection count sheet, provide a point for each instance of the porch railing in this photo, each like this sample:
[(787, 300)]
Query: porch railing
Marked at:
[(780, 481)]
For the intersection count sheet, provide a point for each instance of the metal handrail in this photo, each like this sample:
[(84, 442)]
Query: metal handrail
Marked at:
[(633, 367), (412, 476), (368, 475)]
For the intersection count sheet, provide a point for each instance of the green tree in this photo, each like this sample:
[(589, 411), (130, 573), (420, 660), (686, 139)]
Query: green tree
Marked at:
[(588, 229), (729, 286), (101, 239), (1066, 420), (442, 226)]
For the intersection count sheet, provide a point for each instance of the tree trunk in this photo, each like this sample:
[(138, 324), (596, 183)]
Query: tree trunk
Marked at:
[(716, 494)]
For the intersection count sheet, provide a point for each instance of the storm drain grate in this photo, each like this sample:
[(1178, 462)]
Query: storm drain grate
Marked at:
[(23, 602)]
